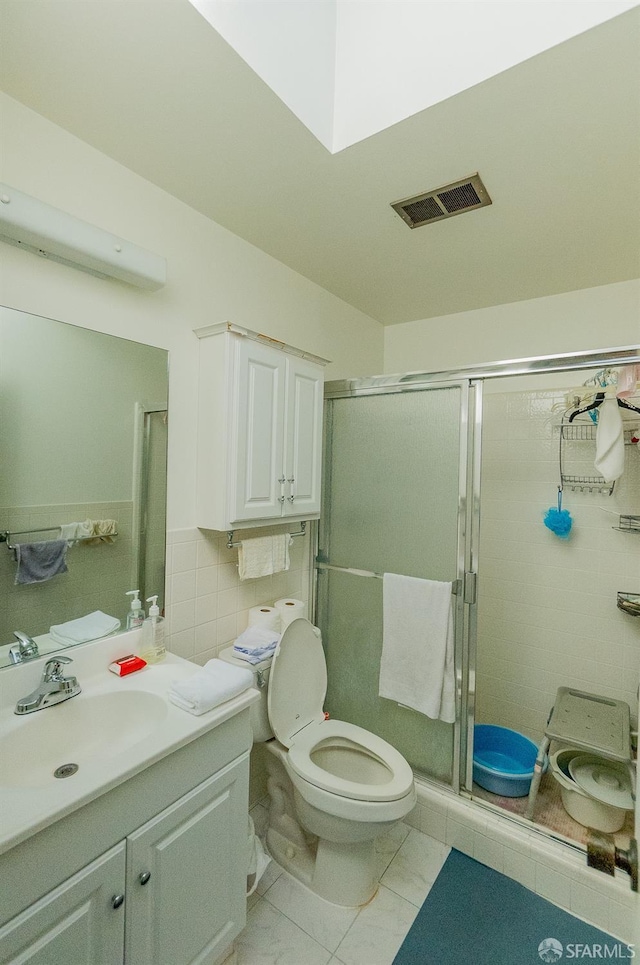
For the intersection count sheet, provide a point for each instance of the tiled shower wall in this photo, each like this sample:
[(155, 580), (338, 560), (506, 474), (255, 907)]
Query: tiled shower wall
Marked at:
[(207, 604), (547, 614)]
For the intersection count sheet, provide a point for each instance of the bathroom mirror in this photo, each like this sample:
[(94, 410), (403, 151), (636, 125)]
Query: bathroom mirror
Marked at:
[(83, 437)]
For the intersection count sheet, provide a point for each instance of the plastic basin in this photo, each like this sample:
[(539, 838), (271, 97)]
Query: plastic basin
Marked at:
[(503, 760)]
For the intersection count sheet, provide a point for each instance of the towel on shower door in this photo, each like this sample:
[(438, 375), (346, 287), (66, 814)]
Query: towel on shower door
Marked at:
[(416, 668)]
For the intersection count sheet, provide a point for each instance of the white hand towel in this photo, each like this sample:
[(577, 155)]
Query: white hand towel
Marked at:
[(609, 460), (263, 556), (210, 686), (84, 629), (256, 644), (416, 668)]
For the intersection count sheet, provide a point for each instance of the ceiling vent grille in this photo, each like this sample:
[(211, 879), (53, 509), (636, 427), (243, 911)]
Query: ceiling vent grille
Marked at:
[(445, 202)]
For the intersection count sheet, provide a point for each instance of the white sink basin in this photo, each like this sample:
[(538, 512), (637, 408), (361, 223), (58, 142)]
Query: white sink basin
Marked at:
[(115, 728), (78, 731)]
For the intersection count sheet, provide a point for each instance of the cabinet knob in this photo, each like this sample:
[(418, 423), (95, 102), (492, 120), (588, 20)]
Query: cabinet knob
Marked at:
[(291, 498), (280, 499), (143, 877), (117, 901)]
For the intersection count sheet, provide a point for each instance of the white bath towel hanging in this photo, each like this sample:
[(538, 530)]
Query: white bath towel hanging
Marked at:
[(263, 556), (609, 461), (417, 667)]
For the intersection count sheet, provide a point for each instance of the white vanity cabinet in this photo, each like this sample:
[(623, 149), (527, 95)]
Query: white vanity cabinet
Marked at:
[(259, 430), (170, 891), (76, 923), (182, 903)]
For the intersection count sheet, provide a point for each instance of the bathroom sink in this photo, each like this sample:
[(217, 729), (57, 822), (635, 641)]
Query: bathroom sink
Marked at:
[(82, 730), (114, 729)]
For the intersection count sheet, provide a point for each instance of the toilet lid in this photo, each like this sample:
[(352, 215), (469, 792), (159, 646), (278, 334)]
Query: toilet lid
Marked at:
[(606, 781), (298, 682)]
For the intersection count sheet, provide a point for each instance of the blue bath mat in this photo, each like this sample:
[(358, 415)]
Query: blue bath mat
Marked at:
[(476, 916)]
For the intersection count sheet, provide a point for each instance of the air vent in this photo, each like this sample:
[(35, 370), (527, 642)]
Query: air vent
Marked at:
[(445, 202)]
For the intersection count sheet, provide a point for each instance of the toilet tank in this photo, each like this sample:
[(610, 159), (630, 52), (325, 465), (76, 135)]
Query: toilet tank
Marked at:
[(259, 711)]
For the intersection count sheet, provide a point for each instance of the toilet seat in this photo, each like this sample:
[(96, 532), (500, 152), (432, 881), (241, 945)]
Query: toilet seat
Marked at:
[(328, 754), (393, 777)]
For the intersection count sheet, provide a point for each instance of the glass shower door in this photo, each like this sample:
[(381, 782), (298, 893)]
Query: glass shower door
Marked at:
[(394, 502)]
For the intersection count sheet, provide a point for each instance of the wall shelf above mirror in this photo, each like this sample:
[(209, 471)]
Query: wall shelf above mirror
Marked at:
[(83, 432)]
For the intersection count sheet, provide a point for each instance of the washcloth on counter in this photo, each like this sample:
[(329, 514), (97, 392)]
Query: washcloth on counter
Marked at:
[(263, 556), (84, 629), (39, 562), (416, 667), (210, 686), (609, 461), (255, 644)]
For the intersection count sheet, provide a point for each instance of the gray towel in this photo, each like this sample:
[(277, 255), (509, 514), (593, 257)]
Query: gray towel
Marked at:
[(39, 562)]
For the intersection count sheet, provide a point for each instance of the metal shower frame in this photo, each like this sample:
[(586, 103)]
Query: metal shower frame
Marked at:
[(470, 379)]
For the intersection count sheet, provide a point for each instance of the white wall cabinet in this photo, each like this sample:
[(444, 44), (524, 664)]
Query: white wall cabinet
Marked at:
[(259, 430), (171, 893)]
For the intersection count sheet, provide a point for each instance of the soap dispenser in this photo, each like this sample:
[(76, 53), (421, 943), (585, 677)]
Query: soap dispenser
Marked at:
[(152, 648), (135, 616)]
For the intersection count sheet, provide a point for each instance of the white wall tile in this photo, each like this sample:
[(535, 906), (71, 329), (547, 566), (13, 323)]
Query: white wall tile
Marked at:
[(547, 614)]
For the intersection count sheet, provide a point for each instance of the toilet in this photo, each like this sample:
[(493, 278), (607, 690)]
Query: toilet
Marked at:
[(334, 787)]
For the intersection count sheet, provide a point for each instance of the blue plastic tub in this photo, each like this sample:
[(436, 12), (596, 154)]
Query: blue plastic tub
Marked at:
[(503, 760)]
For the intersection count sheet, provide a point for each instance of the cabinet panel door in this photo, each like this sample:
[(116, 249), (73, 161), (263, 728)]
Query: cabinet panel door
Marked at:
[(76, 923), (303, 445), (193, 904), (256, 465)]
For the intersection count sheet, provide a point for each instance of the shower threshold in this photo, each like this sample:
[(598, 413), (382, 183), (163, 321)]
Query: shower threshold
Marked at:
[(550, 814)]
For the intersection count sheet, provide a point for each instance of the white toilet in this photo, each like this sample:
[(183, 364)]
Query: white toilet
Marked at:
[(334, 787)]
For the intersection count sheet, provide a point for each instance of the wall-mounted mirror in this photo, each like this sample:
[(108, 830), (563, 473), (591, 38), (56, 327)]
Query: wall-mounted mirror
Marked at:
[(83, 439)]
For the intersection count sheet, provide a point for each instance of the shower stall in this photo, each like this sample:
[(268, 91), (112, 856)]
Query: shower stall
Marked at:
[(445, 476)]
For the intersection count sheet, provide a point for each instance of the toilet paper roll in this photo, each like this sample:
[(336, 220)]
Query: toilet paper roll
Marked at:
[(290, 610), (265, 616)]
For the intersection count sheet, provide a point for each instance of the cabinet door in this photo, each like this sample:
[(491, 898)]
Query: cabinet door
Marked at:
[(256, 457), (303, 445), (75, 923), (195, 852)]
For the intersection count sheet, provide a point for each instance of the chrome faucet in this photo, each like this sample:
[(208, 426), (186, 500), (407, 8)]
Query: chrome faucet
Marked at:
[(52, 689), (24, 649)]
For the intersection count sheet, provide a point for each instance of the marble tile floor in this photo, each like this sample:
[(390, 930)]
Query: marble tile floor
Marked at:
[(289, 925)]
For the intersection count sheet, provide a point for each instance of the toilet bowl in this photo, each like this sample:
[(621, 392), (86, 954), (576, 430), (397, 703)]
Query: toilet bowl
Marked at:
[(334, 786)]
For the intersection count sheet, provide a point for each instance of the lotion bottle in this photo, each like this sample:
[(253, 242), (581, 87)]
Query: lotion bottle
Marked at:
[(135, 616), (152, 648)]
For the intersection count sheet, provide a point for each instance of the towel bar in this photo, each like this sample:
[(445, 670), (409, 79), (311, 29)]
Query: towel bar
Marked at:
[(5, 537), (455, 586), (231, 545)]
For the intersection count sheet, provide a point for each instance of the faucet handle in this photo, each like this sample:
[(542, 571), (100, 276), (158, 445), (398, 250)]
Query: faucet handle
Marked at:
[(53, 667)]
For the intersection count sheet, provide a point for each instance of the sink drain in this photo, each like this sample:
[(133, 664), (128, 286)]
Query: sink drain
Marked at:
[(65, 770)]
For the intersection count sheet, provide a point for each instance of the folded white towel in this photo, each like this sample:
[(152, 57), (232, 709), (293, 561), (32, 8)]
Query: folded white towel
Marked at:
[(257, 638), (416, 668), (254, 656), (263, 556), (84, 629), (255, 644), (210, 686), (609, 460)]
